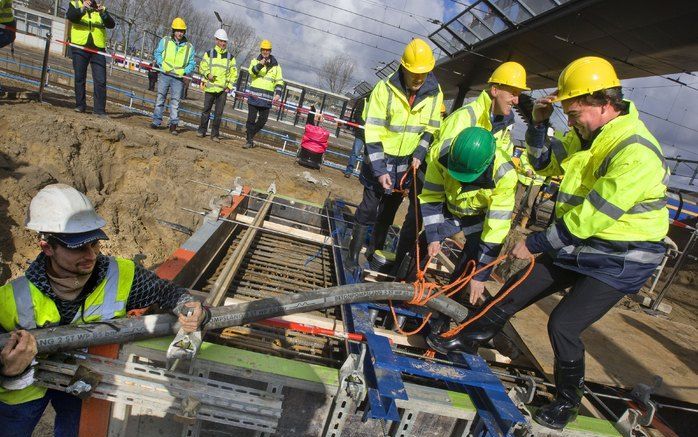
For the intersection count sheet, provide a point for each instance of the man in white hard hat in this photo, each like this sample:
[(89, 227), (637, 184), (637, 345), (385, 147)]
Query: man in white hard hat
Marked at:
[(69, 282), (220, 74)]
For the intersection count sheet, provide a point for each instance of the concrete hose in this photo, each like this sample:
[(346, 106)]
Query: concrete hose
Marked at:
[(69, 337)]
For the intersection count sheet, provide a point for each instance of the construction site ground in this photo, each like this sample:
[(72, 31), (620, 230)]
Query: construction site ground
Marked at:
[(138, 177)]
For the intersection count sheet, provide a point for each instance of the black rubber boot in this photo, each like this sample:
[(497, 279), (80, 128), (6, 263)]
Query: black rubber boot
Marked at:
[(569, 382), (473, 336), (380, 234), (358, 236)]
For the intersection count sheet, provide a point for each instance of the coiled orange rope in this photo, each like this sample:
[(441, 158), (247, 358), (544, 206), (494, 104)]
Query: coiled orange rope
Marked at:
[(425, 291)]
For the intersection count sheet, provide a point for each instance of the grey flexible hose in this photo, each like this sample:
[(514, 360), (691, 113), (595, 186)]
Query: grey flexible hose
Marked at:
[(69, 337)]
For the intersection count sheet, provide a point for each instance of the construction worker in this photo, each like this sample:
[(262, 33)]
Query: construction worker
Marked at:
[(266, 86), (175, 56), (527, 190), (491, 110), (69, 282), (220, 74), (88, 23), (402, 115), (357, 117), (469, 186), (610, 221)]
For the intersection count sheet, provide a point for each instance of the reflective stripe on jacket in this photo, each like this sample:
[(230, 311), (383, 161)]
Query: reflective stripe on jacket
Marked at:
[(90, 24), (6, 13), (175, 58), (396, 131), (265, 81), (492, 196), (611, 215), (26, 307), (221, 64)]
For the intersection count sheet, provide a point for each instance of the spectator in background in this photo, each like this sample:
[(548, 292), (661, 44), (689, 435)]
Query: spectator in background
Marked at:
[(153, 76), (310, 119), (89, 23), (359, 139)]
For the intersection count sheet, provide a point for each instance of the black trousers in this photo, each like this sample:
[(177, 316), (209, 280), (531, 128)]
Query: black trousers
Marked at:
[(81, 59), (152, 80), (410, 227), (209, 99), (256, 119), (587, 301), (379, 209)]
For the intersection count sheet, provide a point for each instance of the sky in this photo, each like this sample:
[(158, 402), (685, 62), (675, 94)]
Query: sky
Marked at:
[(306, 32)]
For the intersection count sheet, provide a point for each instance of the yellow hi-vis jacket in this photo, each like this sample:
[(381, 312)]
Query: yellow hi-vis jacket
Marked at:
[(265, 81), (479, 113), (24, 306), (6, 13), (396, 131), (175, 58), (90, 24), (522, 171), (491, 196), (611, 215), (221, 64)]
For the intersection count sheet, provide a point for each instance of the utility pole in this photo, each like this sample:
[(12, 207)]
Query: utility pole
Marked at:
[(143, 45), (128, 36), (55, 7)]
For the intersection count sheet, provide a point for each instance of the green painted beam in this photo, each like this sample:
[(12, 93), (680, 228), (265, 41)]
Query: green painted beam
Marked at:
[(328, 376)]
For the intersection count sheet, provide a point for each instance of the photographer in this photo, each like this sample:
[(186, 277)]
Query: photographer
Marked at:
[(89, 21)]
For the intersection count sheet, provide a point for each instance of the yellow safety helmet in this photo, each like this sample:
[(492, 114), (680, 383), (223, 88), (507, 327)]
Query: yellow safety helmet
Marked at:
[(418, 57), (179, 24), (265, 45), (585, 76), (510, 73)]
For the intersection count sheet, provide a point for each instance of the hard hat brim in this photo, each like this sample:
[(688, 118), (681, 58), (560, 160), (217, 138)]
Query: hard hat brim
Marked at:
[(464, 176), (74, 241)]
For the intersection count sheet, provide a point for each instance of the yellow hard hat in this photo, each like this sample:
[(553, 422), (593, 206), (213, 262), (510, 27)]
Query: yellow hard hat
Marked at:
[(584, 76), (265, 45), (510, 73), (179, 24), (418, 57)]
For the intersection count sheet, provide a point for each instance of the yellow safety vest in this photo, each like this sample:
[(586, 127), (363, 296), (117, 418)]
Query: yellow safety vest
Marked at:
[(477, 113), (497, 204), (24, 306), (391, 121), (616, 189), (6, 14), (175, 57), (90, 24), (266, 80), (222, 65)]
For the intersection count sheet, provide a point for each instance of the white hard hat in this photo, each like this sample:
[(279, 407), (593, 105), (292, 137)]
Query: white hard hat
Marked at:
[(221, 35), (65, 213)]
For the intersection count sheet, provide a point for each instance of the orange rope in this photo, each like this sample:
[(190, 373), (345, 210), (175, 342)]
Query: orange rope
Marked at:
[(425, 291)]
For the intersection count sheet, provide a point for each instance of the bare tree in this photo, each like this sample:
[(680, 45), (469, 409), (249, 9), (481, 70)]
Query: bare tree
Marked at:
[(336, 72), (45, 6)]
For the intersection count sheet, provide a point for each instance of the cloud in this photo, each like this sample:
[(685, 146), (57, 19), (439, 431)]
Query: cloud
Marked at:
[(301, 50)]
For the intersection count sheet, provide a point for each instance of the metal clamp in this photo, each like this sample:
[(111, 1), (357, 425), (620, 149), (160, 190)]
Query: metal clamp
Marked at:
[(632, 420), (83, 383)]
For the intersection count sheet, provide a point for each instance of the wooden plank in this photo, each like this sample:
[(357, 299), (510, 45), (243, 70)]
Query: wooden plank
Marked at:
[(299, 233), (623, 349)]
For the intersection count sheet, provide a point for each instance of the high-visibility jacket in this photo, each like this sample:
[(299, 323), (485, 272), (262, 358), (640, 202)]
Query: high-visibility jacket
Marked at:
[(610, 214), (221, 64), (265, 81), (479, 113), (522, 171), (175, 58), (492, 196), (396, 130), (24, 306), (90, 24), (6, 13)]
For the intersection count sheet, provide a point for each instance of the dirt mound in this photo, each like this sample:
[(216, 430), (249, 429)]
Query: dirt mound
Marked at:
[(134, 175)]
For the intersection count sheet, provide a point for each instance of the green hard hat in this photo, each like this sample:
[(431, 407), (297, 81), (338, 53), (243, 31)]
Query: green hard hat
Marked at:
[(471, 153)]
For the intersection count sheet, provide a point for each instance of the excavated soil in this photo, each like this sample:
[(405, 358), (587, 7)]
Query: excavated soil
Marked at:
[(133, 174)]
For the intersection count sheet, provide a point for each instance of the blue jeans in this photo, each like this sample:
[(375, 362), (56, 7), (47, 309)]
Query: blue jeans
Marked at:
[(174, 86), (19, 420), (356, 155)]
